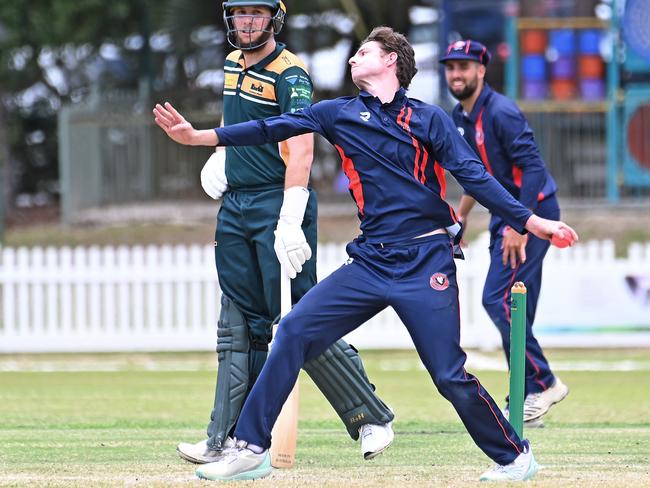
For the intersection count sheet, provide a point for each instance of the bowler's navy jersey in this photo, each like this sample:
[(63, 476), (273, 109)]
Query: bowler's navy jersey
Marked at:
[(499, 133), (394, 155)]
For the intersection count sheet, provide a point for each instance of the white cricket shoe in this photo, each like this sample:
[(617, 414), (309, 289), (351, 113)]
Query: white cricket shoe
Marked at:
[(238, 463), (375, 439), (537, 423), (538, 404), (200, 453), (523, 468)]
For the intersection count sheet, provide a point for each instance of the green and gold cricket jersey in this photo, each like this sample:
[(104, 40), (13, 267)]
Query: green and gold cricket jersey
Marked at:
[(277, 84)]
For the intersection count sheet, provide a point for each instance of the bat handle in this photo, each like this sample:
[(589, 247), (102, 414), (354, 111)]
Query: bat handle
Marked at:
[(285, 292)]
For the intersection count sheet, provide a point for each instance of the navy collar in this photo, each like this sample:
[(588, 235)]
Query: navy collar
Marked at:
[(398, 99), (480, 102)]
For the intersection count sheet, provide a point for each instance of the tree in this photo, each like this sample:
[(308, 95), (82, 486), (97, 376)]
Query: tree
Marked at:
[(54, 52), (46, 48)]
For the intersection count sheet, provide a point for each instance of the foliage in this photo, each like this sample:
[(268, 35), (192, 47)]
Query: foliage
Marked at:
[(56, 52), (49, 55)]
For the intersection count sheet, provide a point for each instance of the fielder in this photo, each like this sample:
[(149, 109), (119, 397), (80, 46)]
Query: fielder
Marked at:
[(500, 136), (263, 79), (394, 152)]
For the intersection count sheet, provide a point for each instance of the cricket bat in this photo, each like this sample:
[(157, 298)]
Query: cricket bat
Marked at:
[(285, 431)]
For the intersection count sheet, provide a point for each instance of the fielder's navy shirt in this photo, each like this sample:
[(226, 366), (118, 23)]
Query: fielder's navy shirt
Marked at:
[(499, 133), (394, 155)]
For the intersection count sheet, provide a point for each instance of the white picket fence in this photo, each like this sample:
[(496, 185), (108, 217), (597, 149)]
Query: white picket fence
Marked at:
[(166, 298), (108, 299)]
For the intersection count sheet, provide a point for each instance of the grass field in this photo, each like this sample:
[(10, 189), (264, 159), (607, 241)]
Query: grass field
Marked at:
[(114, 420)]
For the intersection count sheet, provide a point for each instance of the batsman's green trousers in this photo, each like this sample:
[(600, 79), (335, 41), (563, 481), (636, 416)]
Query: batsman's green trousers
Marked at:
[(248, 269)]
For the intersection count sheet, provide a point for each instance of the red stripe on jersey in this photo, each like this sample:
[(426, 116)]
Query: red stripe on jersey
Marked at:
[(409, 112), (442, 181), (355, 181), (423, 166), (419, 170), (516, 176), (480, 141), (416, 144), (452, 213), (404, 124)]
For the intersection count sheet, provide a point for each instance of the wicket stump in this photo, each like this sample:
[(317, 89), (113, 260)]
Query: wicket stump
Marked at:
[(517, 356)]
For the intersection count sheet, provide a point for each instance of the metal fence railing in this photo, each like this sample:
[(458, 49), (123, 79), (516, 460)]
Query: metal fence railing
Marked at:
[(573, 145), (111, 152)]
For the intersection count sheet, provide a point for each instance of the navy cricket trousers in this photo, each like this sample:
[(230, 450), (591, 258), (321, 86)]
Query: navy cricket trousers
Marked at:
[(496, 297), (418, 279)]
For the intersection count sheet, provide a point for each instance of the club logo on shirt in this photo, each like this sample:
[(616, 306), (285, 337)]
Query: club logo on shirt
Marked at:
[(257, 88), (479, 137), (461, 131), (439, 281), (365, 116), (349, 261)]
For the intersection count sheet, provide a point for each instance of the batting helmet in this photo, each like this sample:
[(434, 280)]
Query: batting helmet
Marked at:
[(278, 12)]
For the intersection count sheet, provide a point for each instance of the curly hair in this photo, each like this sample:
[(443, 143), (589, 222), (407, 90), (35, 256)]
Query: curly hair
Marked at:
[(394, 42)]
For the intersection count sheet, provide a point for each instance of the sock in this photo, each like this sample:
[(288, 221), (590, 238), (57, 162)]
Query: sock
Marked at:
[(255, 449)]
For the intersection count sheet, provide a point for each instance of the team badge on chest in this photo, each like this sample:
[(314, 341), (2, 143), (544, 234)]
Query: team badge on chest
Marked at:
[(439, 281)]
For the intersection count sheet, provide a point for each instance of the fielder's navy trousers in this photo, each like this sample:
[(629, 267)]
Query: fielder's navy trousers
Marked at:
[(417, 279), (496, 296)]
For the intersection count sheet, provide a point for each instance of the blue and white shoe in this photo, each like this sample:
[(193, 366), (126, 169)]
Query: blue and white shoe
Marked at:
[(523, 468), (238, 463)]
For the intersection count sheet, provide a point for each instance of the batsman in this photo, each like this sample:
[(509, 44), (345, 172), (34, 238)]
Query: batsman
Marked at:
[(266, 205)]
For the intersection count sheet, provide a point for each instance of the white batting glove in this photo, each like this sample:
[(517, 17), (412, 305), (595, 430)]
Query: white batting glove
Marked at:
[(290, 245), (213, 174)]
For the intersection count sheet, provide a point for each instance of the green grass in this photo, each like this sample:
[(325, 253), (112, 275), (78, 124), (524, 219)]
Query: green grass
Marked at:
[(120, 426)]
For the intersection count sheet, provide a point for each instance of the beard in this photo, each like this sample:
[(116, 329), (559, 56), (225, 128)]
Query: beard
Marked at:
[(254, 37), (466, 92)]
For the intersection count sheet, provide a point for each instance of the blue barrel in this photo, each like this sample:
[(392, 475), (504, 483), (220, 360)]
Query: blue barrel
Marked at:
[(592, 89), (533, 67), (563, 41), (564, 68), (534, 90), (589, 41)]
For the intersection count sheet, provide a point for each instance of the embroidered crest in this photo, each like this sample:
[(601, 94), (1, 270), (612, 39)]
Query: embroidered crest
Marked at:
[(479, 137), (461, 131), (439, 281), (365, 116)]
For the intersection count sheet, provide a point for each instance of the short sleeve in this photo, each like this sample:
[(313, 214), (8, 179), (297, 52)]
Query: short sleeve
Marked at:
[(294, 90)]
